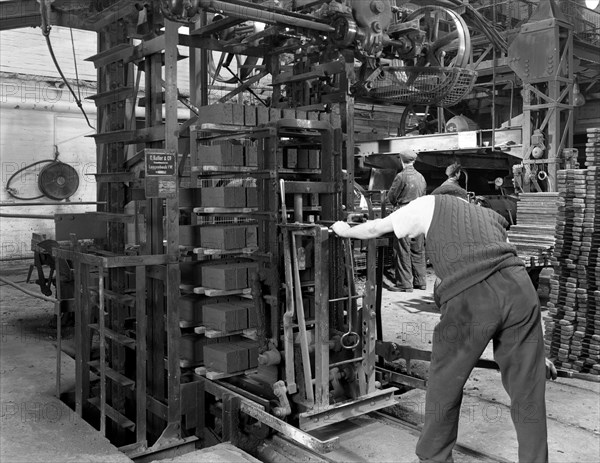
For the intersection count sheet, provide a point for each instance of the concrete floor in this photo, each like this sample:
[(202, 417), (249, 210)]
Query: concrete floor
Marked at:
[(36, 427)]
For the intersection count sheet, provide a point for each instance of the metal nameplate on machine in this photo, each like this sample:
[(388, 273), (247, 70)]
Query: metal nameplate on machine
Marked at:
[(161, 173)]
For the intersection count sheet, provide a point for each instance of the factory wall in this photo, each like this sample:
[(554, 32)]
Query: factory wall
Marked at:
[(38, 116)]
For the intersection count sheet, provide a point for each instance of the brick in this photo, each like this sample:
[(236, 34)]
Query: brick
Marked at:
[(262, 115), (223, 197), (314, 159), (251, 348), (274, 114), (223, 154), (252, 315), (226, 357), (290, 158), (302, 162), (250, 115), (223, 237), (191, 273), (226, 276), (252, 236), (189, 197), (190, 309), (216, 114), (225, 316), (189, 235), (251, 197), (251, 155), (238, 114), (191, 347)]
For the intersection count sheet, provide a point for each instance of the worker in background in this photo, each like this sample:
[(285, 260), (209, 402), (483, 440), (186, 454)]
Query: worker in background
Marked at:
[(451, 185), (485, 294), (409, 253)]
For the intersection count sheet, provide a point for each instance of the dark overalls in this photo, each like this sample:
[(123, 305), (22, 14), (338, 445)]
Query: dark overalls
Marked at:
[(409, 253), (485, 294)]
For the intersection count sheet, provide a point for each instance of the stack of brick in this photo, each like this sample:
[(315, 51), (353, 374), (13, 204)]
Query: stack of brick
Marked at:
[(573, 322), (228, 276), (231, 355), (229, 316)]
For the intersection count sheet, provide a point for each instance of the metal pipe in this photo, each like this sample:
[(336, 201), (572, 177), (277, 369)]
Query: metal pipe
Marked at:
[(28, 216), (249, 12), (79, 203), (344, 362), (26, 291), (298, 206)]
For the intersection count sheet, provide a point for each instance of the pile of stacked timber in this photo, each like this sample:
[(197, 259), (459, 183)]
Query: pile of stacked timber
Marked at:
[(533, 235), (573, 322)]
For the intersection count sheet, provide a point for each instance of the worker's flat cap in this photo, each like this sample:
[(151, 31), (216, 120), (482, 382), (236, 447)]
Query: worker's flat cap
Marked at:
[(408, 156)]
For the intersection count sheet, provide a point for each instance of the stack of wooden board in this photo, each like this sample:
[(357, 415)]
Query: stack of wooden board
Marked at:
[(592, 147), (573, 321), (533, 235)]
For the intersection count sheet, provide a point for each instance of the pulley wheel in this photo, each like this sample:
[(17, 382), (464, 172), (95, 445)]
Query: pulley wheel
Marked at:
[(58, 180)]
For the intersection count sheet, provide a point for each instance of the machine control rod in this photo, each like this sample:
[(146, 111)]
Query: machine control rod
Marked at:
[(249, 12)]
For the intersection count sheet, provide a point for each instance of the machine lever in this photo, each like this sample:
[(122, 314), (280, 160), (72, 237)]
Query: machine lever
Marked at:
[(350, 335)]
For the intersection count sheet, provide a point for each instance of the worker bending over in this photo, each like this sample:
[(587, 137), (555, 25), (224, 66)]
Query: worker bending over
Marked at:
[(485, 294), (409, 252)]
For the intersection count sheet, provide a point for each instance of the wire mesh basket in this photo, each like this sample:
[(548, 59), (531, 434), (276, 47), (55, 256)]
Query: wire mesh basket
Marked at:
[(437, 86)]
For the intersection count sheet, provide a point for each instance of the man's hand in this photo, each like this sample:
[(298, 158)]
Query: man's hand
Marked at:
[(550, 370), (340, 228)]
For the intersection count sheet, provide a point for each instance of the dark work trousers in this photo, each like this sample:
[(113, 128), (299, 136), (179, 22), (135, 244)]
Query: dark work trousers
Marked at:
[(503, 308), (409, 260)]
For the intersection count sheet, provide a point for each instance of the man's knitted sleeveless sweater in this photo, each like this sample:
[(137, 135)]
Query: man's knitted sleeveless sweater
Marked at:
[(466, 244)]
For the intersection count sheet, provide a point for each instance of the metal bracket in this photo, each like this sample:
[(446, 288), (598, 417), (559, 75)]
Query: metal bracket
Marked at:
[(349, 409), (290, 431)]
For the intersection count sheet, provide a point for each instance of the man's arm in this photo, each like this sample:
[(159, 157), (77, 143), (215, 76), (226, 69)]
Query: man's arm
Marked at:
[(364, 231), (411, 220)]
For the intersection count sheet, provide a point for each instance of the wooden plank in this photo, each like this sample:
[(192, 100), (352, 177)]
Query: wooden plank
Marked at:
[(115, 177), (216, 375), (112, 96), (221, 292), (322, 318), (113, 335), (111, 55), (249, 333), (172, 235), (145, 135), (114, 375), (223, 252), (114, 415)]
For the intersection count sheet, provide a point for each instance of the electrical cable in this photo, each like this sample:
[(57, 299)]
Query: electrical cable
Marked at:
[(11, 191), (46, 33)]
